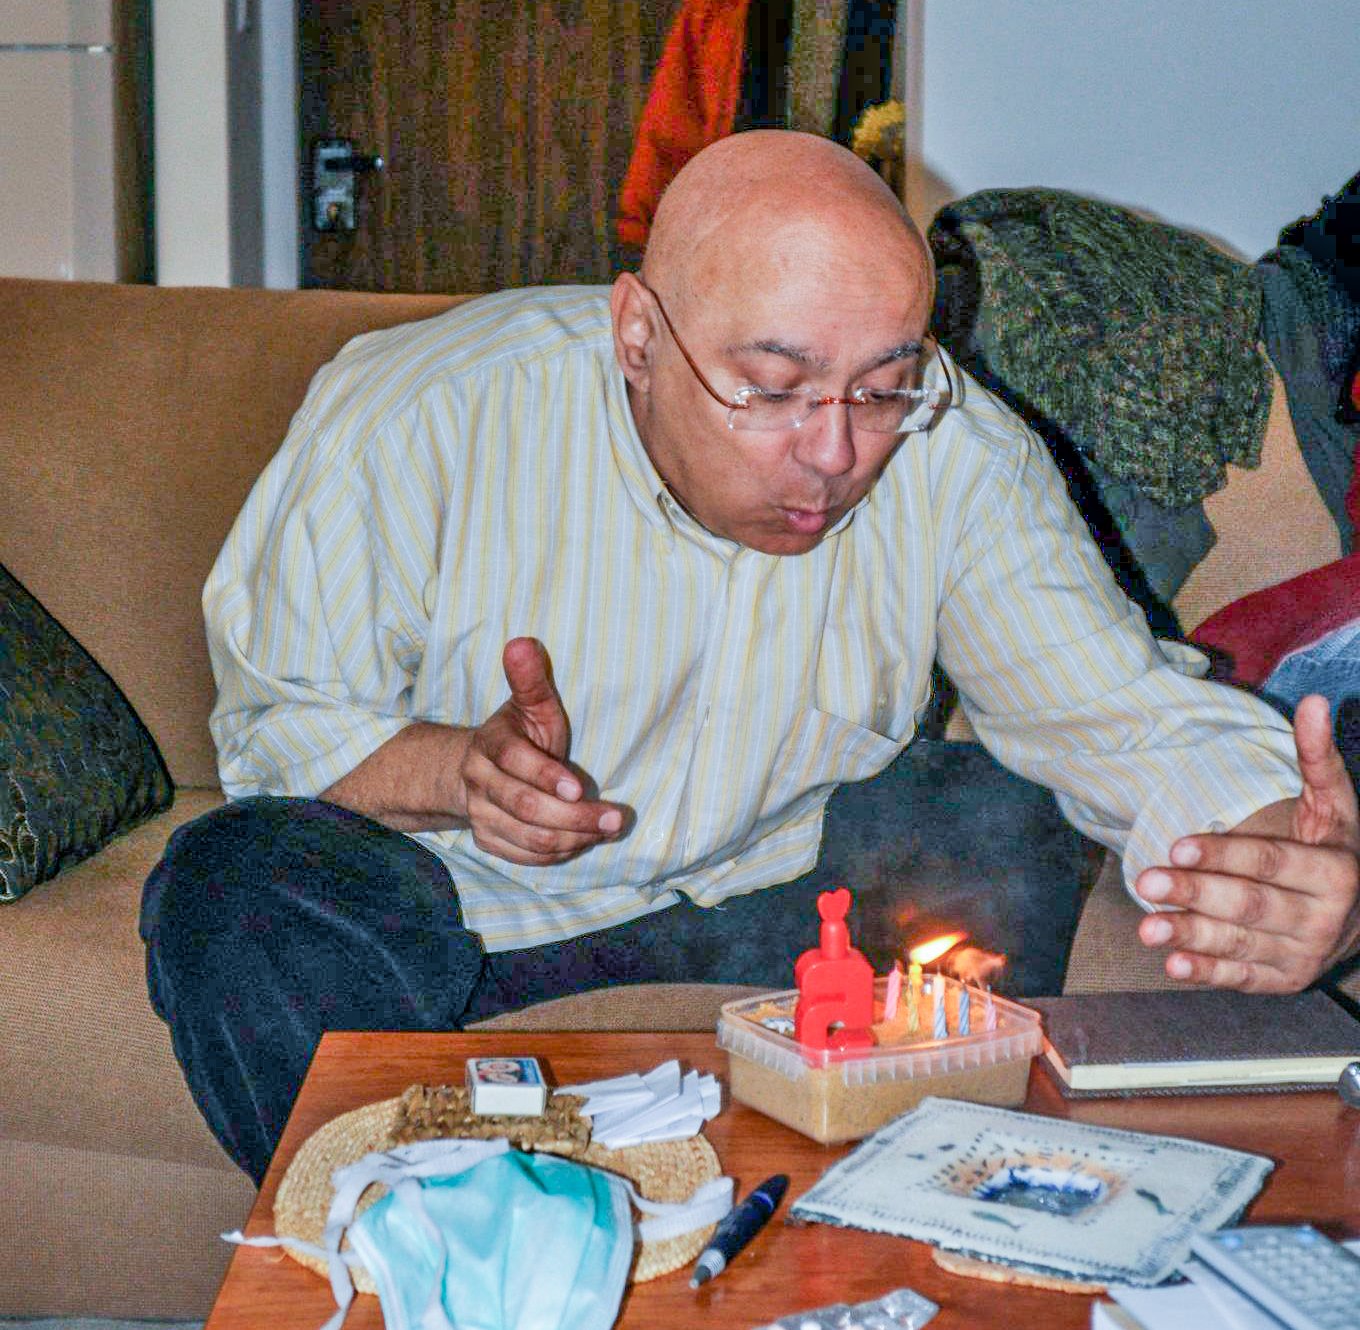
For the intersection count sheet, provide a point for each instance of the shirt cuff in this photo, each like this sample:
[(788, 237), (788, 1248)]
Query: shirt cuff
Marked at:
[(1219, 790)]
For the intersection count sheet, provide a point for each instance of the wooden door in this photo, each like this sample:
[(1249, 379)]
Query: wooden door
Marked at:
[(504, 126)]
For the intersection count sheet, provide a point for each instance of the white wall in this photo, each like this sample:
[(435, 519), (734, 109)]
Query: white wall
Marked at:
[(58, 183), (1230, 117), (193, 206), (279, 141), (226, 136)]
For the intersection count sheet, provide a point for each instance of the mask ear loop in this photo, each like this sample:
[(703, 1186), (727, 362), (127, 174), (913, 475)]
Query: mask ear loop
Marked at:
[(710, 1202)]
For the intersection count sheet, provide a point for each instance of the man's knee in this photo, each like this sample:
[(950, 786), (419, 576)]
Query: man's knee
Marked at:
[(207, 866), (303, 897)]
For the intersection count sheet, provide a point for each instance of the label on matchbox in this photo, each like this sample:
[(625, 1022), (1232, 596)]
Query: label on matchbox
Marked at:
[(513, 1086)]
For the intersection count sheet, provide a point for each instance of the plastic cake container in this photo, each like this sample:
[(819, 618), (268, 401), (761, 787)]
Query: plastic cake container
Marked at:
[(840, 1095)]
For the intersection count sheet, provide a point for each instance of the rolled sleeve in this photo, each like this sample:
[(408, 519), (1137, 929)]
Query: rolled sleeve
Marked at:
[(312, 662), (1064, 683)]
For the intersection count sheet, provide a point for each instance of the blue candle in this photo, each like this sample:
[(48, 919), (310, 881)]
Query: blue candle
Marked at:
[(963, 1010)]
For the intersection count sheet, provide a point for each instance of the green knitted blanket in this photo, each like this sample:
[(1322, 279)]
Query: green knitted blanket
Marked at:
[(1138, 340)]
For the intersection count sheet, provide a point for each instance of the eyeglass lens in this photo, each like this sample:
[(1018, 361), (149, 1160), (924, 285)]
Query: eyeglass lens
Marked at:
[(873, 415)]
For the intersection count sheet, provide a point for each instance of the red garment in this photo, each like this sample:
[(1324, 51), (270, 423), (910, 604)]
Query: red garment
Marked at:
[(1259, 630), (692, 103)]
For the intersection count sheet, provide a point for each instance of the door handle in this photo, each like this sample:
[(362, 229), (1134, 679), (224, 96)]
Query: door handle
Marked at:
[(335, 164), (357, 163)]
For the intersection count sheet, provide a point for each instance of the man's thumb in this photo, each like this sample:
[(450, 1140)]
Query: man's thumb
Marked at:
[(529, 674), (1329, 798)]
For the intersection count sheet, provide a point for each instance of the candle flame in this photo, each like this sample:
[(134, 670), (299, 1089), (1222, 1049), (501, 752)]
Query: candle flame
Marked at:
[(975, 966), (935, 948)]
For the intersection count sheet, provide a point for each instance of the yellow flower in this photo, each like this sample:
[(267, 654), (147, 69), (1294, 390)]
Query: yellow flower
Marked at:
[(880, 132)]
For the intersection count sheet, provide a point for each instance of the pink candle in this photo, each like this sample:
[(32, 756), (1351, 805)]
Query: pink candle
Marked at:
[(941, 1029), (989, 1015), (894, 994)]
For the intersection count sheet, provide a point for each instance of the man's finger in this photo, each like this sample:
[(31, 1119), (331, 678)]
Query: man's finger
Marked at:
[(512, 779), (537, 825), (532, 808), (1327, 808), (517, 854), (1225, 940), (507, 750), (1244, 976), (1311, 871), (534, 695), (1237, 898)]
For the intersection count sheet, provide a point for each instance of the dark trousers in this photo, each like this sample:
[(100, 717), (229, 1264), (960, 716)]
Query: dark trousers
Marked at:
[(271, 920)]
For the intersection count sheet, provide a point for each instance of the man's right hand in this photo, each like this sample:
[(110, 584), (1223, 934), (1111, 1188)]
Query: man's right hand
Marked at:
[(519, 796), (507, 779)]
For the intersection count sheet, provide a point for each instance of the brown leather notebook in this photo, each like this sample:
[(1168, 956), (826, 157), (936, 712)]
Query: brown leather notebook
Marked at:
[(1201, 1040)]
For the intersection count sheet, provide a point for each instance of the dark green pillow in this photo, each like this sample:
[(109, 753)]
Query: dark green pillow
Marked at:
[(77, 766)]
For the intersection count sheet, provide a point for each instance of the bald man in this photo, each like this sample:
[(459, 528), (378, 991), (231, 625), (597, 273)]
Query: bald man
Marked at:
[(579, 635)]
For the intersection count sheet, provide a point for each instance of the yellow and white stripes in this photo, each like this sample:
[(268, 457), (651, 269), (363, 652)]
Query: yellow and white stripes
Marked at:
[(448, 485)]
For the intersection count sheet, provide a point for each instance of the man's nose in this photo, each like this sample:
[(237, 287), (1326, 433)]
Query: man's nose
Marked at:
[(824, 442)]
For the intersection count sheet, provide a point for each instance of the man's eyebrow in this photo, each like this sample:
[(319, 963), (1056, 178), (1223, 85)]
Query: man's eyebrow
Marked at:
[(802, 356), (770, 346), (905, 351)]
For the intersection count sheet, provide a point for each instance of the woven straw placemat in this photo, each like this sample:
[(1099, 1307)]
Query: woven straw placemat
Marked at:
[(662, 1171)]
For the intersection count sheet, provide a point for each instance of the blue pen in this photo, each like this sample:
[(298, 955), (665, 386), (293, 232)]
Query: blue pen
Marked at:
[(738, 1227)]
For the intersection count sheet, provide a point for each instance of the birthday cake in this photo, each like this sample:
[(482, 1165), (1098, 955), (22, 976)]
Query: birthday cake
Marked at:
[(915, 1015), (841, 1094)]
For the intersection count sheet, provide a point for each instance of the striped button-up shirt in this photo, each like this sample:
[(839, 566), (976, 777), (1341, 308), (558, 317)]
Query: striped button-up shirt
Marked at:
[(450, 484)]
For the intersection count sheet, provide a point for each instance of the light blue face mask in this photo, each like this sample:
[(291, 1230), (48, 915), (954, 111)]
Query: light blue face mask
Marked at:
[(475, 1236)]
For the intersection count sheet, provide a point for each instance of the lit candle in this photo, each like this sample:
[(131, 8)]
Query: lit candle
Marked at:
[(989, 1015), (941, 1019), (894, 994), (913, 997), (963, 1009)]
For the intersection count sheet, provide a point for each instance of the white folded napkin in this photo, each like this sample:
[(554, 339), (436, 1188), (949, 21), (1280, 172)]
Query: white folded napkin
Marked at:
[(661, 1105)]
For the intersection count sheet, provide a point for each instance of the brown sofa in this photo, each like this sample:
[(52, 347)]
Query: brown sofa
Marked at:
[(133, 421)]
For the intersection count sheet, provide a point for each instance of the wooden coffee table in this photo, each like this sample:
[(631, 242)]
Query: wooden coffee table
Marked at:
[(1313, 1138)]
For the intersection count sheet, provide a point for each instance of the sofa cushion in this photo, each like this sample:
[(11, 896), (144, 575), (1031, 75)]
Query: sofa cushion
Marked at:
[(94, 1233), (77, 766), (134, 421), (1255, 633), (691, 1007), (85, 1062), (1270, 523)]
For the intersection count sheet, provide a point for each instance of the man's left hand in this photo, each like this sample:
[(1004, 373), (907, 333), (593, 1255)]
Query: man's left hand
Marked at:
[(1274, 903)]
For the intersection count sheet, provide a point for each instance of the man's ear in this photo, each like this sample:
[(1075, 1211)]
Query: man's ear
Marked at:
[(630, 309)]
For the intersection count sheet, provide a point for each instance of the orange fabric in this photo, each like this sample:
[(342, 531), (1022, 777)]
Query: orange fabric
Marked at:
[(692, 103)]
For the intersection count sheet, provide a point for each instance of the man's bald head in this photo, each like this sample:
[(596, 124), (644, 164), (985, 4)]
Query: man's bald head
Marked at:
[(790, 270), (753, 204)]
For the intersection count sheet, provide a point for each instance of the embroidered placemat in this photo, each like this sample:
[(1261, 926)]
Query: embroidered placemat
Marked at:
[(1042, 1194), (661, 1171)]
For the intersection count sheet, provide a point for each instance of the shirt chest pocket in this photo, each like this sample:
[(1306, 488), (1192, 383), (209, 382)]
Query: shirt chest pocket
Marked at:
[(820, 751)]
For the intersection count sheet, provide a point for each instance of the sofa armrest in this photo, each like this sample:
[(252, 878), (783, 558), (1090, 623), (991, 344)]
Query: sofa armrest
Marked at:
[(1106, 954)]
